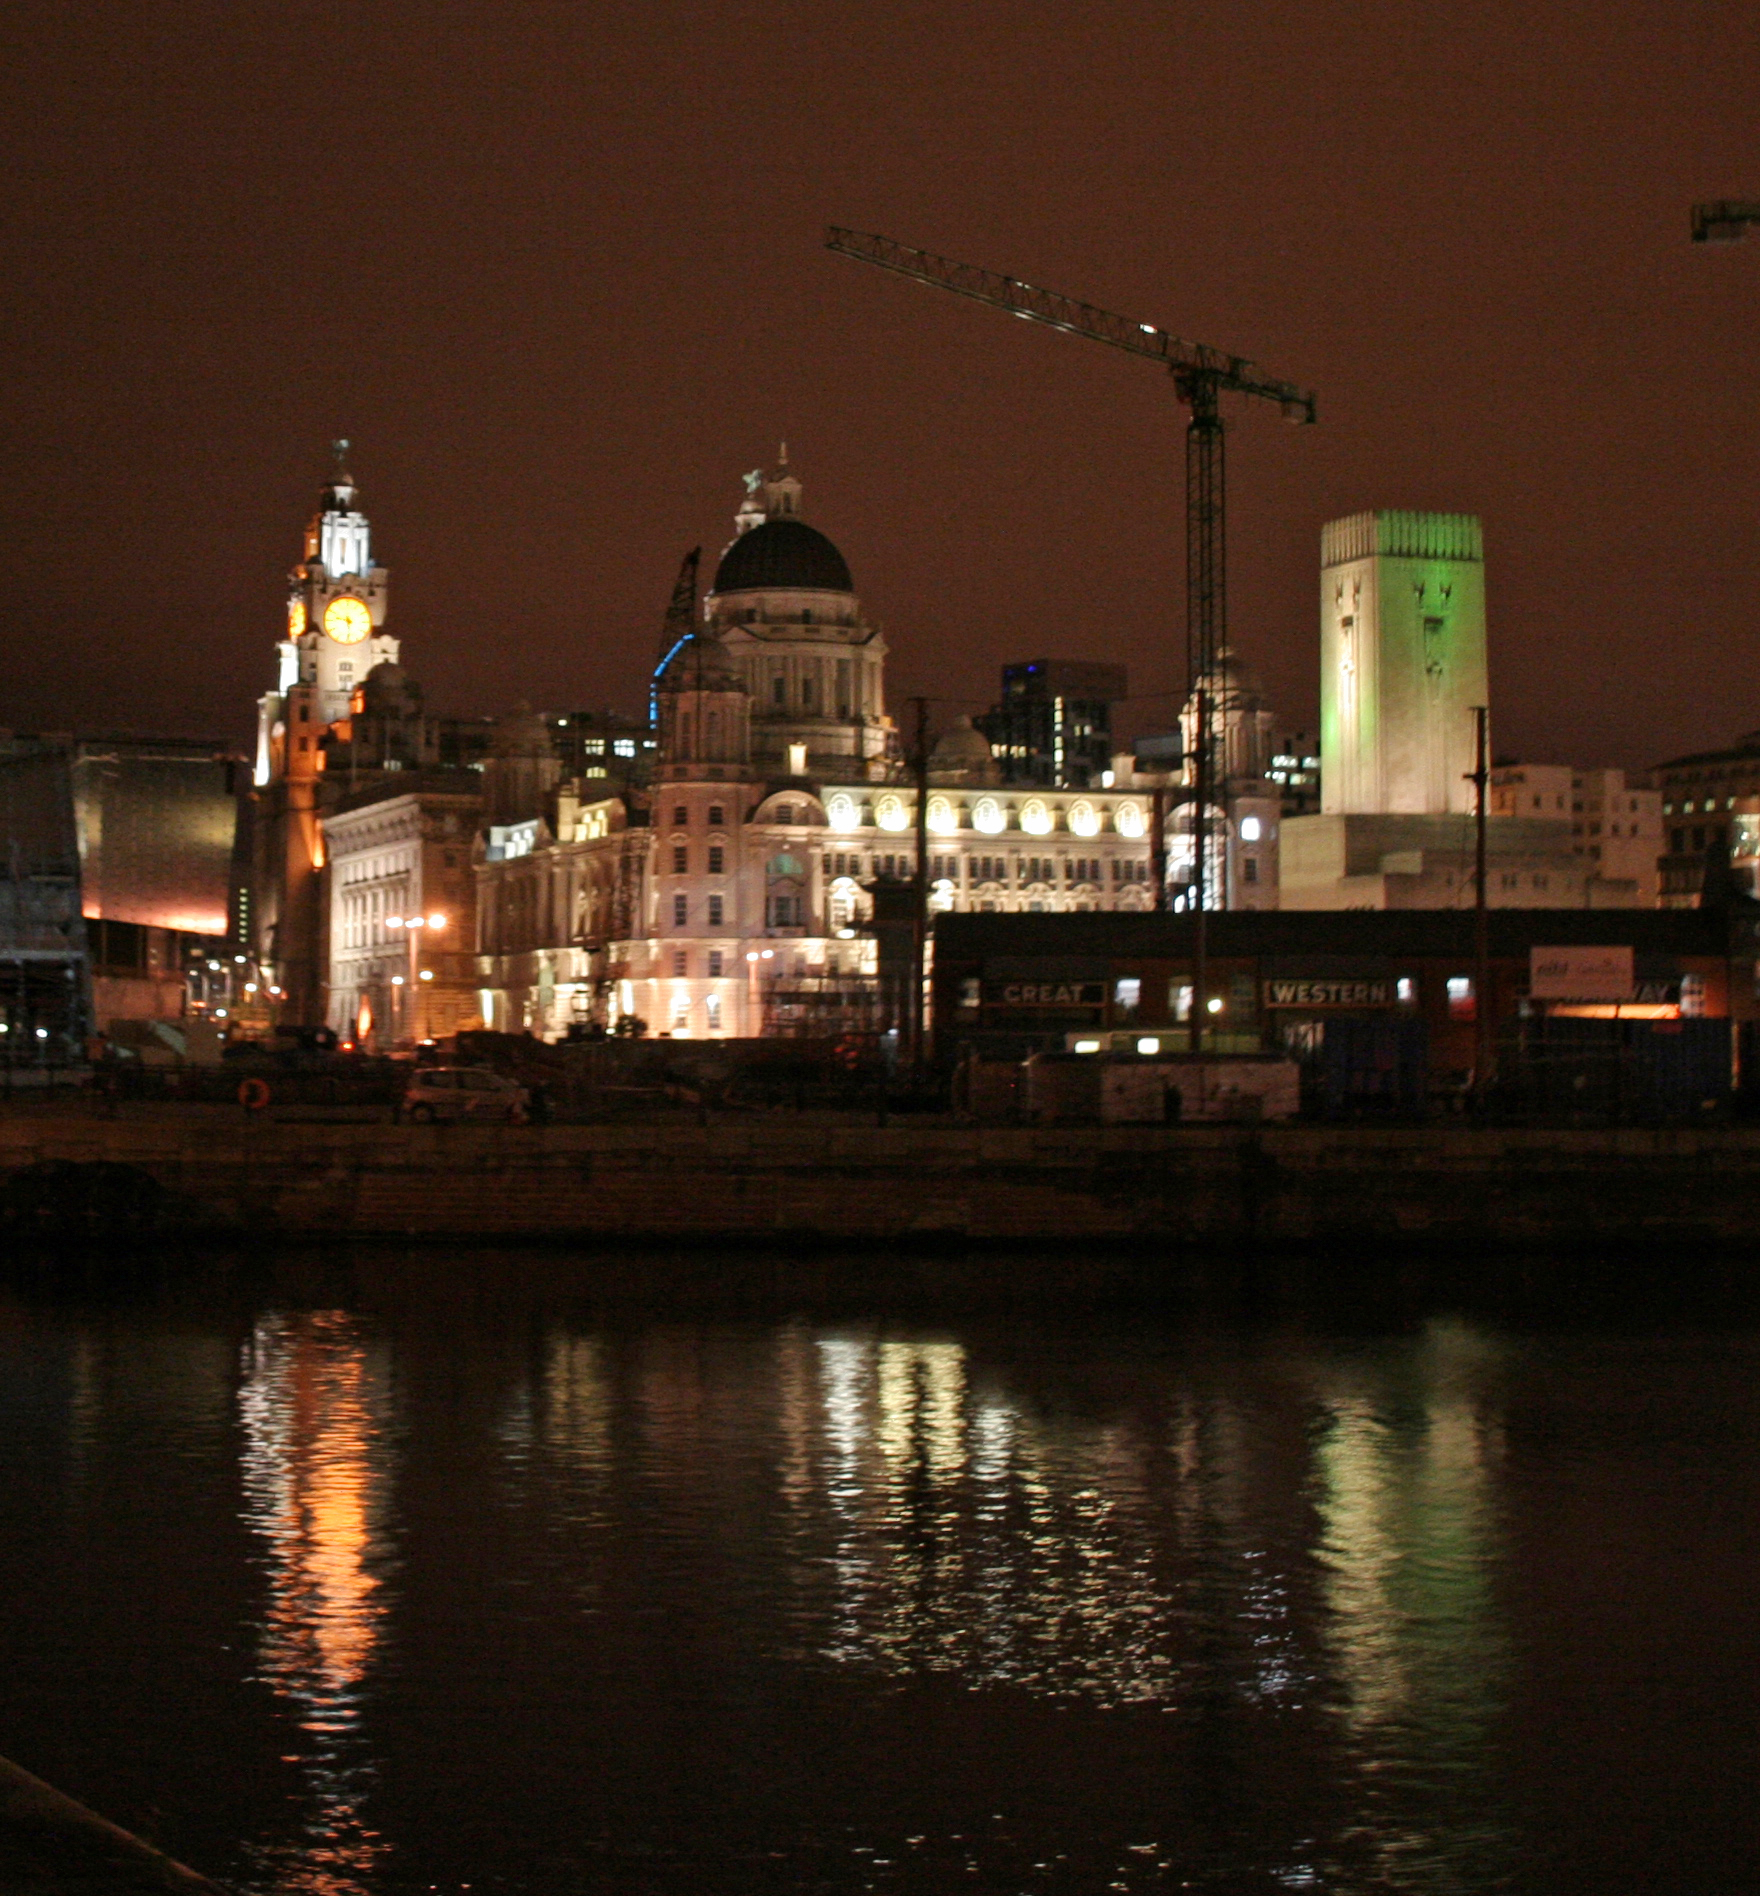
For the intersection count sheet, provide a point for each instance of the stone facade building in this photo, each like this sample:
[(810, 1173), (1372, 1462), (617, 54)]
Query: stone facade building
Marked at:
[(734, 897)]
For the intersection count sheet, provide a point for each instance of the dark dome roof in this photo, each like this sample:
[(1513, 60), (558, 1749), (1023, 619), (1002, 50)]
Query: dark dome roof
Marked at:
[(783, 554)]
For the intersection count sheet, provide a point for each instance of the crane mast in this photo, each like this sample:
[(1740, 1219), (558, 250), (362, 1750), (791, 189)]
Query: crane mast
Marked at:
[(1201, 376)]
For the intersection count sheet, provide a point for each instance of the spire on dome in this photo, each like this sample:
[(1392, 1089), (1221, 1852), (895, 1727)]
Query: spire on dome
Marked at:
[(339, 496), (767, 499)]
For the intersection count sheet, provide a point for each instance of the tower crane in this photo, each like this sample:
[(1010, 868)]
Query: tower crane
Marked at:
[(1201, 376)]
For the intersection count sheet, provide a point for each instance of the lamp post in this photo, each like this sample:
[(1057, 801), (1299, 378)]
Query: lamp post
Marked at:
[(754, 1021), (412, 927)]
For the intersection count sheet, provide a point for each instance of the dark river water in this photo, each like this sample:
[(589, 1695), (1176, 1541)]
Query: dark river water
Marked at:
[(385, 1580)]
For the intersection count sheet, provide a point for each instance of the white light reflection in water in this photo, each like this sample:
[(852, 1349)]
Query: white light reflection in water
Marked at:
[(1409, 1539), (316, 1468), (971, 1538), (556, 1437)]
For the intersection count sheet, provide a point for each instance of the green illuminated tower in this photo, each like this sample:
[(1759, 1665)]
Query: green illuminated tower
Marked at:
[(1402, 662)]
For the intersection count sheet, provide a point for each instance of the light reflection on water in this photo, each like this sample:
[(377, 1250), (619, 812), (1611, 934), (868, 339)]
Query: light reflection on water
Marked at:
[(313, 1409), (1409, 1544), (1159, 1609)]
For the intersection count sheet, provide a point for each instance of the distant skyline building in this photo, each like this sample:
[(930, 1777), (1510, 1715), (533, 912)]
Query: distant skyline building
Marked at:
[(1703, 794), (1616, 823), (1053, 723)]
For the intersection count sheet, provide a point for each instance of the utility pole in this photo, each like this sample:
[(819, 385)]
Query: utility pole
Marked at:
[(1483, 1029), (1200, 843), (1201, 375), (920, 893)]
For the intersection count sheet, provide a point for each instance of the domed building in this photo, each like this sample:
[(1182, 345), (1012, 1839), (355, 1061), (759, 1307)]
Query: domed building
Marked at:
[(780, 816), (963, 755), (784, 608)]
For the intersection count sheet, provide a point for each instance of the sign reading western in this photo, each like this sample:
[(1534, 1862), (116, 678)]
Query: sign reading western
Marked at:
[(1047, 994), (1580, 974), (1327, 992)]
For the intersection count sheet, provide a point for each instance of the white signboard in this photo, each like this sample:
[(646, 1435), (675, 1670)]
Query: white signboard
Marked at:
[(1580, 974)]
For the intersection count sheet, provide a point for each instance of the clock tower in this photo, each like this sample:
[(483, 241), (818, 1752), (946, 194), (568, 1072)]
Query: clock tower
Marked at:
[(335, 618), (335, 615)]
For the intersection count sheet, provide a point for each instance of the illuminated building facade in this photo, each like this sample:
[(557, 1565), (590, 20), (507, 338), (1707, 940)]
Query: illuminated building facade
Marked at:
[(1295, 769), (739, 900), (1402, 666), (336, 605), (364, 807)]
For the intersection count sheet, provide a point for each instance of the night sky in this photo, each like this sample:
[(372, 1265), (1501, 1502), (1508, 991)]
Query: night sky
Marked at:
[(557, 270)]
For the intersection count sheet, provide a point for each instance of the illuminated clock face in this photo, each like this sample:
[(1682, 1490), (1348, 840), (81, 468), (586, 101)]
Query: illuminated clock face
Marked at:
[(296, 617), (347, 621)]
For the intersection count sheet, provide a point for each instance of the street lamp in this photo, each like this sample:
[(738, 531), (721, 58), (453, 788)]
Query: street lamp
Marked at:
[(1723, 222), (412, 926)]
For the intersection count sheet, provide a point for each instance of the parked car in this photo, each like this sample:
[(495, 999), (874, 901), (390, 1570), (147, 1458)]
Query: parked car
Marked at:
[(461, 1092)]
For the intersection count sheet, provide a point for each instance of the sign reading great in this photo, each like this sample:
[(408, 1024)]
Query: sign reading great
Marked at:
[(1325, 991), (1047, 993)]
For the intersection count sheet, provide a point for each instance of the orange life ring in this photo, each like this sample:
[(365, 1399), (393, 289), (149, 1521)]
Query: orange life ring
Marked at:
[(253, 1095)]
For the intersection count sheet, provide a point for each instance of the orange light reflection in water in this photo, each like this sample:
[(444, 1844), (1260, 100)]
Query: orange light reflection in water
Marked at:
[(316, 1477)]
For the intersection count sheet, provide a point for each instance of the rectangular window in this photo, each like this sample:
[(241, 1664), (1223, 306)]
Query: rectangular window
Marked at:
[(715, 912), (681, 859), (1179, 999), (1249, 870), (680, 962), (1127, 995), (715, 961), (1460, 997), (680, 911), (712, 1008), (717, 859), (717, 816)]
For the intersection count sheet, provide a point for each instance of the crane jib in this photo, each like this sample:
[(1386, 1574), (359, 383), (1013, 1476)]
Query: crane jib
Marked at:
[(1033, 304), (1200, 375)]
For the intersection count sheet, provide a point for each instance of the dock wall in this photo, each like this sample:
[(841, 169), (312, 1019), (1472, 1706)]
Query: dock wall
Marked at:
[(783, 1179)]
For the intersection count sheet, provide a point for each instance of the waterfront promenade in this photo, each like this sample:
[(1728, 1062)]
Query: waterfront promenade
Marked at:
[(787, 1177)]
